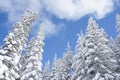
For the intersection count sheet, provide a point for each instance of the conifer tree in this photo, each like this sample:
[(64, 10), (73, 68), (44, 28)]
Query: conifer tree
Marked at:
[(116, 51), (116, 46), (67, 63), (118, 22), (59, 75), (46, 71), (32, 67), (53, 69), (78, 59), (56, 71), (118, 36), (14, 43), (98, 58)]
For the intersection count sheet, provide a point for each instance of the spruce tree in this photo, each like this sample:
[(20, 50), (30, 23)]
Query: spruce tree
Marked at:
[(98, 59), (118, 22), (67, 63), (118, 36), (32, 67), (46, 71), (13, 46), (116, 46), (78, 59), (59, 70), (53, 69)]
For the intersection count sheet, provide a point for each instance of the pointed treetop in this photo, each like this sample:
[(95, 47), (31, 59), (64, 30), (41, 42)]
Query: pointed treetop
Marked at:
[(81, 38), (118, 22), (55, 57), (68, 46), (103, 31), (92, 25), (29, 15), (91, 19), (48, 62), (81, 33)]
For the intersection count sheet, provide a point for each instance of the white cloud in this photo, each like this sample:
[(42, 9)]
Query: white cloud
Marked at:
[(75, 9), (62, 9)]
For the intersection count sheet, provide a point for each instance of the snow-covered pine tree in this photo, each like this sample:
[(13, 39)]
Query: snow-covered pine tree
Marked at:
[(116, 51), (116, 47), (67, 63), (56, 70), (53, 69), (32, 67), (118, 22), (98, 57), (78, 64), (46, 71), (59, 70), (14, 43), (118, 37)]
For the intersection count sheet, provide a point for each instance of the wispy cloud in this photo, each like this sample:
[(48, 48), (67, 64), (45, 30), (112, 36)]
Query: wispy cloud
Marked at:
[(51, 28), (16, 8), (62, 9)]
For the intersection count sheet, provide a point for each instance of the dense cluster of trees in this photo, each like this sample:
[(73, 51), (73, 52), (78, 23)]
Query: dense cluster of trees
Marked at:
[(96, 57)]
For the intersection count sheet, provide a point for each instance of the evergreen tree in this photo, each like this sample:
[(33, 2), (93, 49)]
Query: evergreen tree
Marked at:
[(53, 69), (118, 22), (78, 59), (32, 67), (13, 46), (59, 75), (67, 63), (116, 46), (46, 71), (98, 58), (116, 51), (118, 37), (57, 67)]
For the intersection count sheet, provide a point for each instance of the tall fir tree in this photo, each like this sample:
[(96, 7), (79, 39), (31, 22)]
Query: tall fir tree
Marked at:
[(56, 71), (118, 22), (59, 70), (32, 67), (98, 58), (67, 63), (116, 46), (118, 36), (53, 69), (116, 51), (46, 71), (13, 46), (78, 64)]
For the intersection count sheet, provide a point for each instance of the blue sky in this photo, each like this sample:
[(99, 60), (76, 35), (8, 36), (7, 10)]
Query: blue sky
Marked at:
[(63, 20)]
